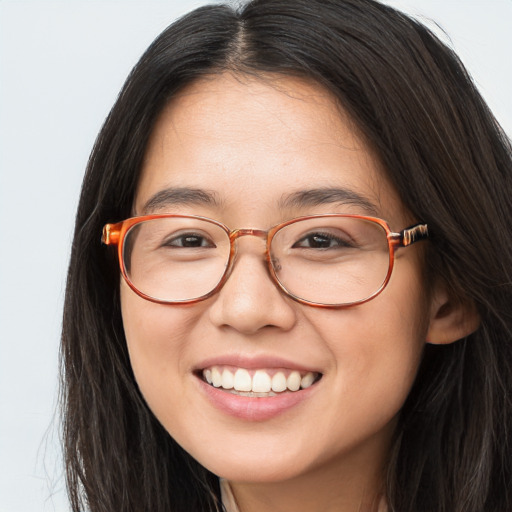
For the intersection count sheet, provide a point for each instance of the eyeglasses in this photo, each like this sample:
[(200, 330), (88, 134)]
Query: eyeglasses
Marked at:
[(333, 260)]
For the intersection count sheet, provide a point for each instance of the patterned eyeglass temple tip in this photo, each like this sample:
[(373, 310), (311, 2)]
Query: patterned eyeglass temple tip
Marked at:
[(411, 235)]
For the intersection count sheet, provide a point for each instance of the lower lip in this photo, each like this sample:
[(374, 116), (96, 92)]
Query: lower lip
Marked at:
[(254, 408)]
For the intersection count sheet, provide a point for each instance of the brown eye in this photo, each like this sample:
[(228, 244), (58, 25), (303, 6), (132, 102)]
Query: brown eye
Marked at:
[(189, 240), (321, 241)]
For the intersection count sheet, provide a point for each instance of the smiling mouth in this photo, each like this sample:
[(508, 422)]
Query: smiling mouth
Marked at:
[(258, 382)]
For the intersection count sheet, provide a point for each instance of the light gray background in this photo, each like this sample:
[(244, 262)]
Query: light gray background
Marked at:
[(62, 64)]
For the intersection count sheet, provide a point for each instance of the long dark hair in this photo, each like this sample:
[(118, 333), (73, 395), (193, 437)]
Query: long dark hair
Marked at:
[(448, 159)]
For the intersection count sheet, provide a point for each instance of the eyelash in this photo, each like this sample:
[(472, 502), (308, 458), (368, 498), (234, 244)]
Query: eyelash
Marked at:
[(184, 236), (326, 236), (309, 239)]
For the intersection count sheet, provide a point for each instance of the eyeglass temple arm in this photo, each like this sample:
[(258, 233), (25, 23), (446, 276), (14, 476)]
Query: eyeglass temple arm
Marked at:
[(409, 236), (111, 233)]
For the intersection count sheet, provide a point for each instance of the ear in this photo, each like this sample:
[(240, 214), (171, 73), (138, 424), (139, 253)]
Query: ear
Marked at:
[(451, 318)]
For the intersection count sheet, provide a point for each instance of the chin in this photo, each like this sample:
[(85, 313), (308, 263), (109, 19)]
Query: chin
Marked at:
[(244, 471), (259, 462)]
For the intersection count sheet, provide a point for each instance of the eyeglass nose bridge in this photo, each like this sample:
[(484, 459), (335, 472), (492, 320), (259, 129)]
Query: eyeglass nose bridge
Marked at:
[(259, 233), (237, 233)]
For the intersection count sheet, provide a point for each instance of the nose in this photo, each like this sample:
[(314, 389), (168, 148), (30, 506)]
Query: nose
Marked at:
[(249, 300)]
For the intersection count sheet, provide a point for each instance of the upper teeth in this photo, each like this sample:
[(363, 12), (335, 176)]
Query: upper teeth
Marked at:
[(260, 382)]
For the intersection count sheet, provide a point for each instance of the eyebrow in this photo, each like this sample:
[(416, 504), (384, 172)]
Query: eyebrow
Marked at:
[(182, 196), (327, 195), (185, 196)]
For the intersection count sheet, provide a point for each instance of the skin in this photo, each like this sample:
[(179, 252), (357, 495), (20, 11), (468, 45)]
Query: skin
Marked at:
[(250, 141)]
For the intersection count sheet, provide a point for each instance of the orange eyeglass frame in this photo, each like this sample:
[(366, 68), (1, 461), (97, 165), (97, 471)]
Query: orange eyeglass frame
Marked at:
[(114, 234)]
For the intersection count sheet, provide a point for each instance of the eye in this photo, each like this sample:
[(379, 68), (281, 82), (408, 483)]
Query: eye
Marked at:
[(322, 241), (188, 240)]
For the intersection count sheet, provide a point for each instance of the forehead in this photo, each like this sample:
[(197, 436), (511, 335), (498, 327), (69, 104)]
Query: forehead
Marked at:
[(250, 143)]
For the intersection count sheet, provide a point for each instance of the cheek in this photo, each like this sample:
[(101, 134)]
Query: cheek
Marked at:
[(376, 348), (156, 337)]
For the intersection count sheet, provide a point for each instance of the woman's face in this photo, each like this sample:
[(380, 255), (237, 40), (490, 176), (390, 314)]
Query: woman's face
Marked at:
[(250, 144)]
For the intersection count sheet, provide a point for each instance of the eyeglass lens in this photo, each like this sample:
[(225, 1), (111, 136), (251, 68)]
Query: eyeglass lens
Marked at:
[(327, 260)]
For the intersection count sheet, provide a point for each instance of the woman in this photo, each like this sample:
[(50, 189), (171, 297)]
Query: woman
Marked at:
[(309, 304)]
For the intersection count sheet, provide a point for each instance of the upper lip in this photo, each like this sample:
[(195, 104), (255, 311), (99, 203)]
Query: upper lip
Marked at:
[(253, 362)]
